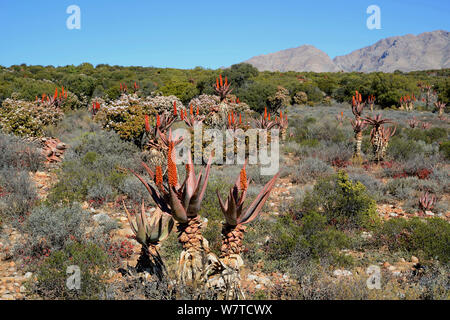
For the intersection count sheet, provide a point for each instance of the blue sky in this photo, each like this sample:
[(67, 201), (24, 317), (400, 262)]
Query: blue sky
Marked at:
[(213, 33)]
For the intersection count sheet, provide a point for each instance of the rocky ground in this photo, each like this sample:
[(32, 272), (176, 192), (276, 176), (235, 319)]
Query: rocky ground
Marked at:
[(13, 276)]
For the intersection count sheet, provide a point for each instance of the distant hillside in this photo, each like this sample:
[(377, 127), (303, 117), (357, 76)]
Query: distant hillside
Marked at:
[(428, 50), (303, 58)]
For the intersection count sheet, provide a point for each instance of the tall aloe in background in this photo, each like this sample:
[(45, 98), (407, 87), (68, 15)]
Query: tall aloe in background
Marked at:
[(357, 124), (379, 136)]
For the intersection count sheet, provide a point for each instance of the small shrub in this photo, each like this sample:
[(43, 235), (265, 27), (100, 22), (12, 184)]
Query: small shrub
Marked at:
[(343, 202), (310, 169), (427, 239), (444, 148), (51, 275), (52, 228), (17, 194), (18, 153)]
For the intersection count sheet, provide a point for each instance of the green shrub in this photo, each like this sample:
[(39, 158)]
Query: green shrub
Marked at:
[(400, 149), (343, 202), (25, 118), (52, 228), (93, 168), (319, 240), (444, 148), (428, 239), (51, 275)]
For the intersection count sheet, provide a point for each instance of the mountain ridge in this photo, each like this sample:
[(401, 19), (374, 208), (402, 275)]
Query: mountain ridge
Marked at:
[(425, 51)]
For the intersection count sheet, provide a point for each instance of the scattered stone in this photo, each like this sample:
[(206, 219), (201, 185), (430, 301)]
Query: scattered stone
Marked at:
[(101, 218), (366, 235), (342, 273), (414, 259), (393, 214), (429, 213)]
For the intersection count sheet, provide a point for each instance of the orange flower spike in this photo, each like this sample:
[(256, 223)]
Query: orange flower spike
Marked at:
[(240, 118), (198, 111), (171, 166), (243, 180), (158, 121), (268, 117), (147, 123), (217, 83), (221, 81), (265, 112), (226, 80), (281, 114), (158, 177), (342, 113), (56, 94), (174, 108), (191, 110), (182, 115)]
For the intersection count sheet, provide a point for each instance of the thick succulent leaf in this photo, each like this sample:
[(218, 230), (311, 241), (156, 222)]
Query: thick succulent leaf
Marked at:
[(141, 234), (130, 220), (154, 194), (190, 186), (167, 226), (178, 212), (256, 206), (231, 213), (205, 181), (149, 171)]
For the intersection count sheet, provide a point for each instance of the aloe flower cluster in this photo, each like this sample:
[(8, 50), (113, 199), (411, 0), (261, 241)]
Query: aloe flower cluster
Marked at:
[(264, 122), (222, 89), (371, 101), (56, 100), (407, 102)]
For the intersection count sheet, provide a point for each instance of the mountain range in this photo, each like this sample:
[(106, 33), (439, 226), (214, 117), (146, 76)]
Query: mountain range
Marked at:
[(428, 50)]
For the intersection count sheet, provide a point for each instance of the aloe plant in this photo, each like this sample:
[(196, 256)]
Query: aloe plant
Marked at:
[(222, 89), (371, 101), (192, 119), (379, 136), (236, 217), (149, 233), (427, 202), (358, 127), (264, 122), (357, 105), (234, 227), (282, 123), (440, 106), (413, 123), (183, 202)]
